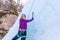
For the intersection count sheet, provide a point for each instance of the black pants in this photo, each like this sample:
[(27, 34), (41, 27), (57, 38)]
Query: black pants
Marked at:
[(21, 34)]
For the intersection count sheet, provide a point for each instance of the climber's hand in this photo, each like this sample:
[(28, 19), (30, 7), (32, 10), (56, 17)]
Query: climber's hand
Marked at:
[(32, 18)]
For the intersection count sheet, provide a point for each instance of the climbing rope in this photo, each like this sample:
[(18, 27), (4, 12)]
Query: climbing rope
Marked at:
[(31, 8)]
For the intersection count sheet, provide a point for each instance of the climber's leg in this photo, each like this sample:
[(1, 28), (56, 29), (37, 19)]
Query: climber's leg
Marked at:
[(17, 36), (23, 37)]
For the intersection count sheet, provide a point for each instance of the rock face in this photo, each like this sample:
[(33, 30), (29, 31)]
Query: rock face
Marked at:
[(8, 20), (5, 23), (8, 15)]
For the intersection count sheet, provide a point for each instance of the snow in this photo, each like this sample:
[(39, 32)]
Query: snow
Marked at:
[(46, 24)]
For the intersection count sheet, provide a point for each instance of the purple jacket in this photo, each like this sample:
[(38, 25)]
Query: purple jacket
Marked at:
[(23, 23)]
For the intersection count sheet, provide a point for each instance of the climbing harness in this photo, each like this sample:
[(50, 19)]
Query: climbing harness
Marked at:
[(20, 34)]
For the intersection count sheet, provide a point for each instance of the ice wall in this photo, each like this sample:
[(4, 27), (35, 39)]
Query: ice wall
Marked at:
[(46, 24)]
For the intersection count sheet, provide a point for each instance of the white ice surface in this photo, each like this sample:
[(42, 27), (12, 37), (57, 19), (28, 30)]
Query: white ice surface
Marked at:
[(46, 24)]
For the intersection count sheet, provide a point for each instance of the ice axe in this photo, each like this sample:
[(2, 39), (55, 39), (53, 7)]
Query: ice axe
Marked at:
[(32, 14)]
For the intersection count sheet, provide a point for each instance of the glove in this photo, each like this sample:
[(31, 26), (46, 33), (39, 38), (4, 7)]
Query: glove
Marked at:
[(32, 18)]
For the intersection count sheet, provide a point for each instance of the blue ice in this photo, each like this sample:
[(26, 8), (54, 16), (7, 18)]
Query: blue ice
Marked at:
[(46, 24)]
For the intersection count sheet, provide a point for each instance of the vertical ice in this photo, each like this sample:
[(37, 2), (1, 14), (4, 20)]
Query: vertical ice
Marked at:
[(46, 24)]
